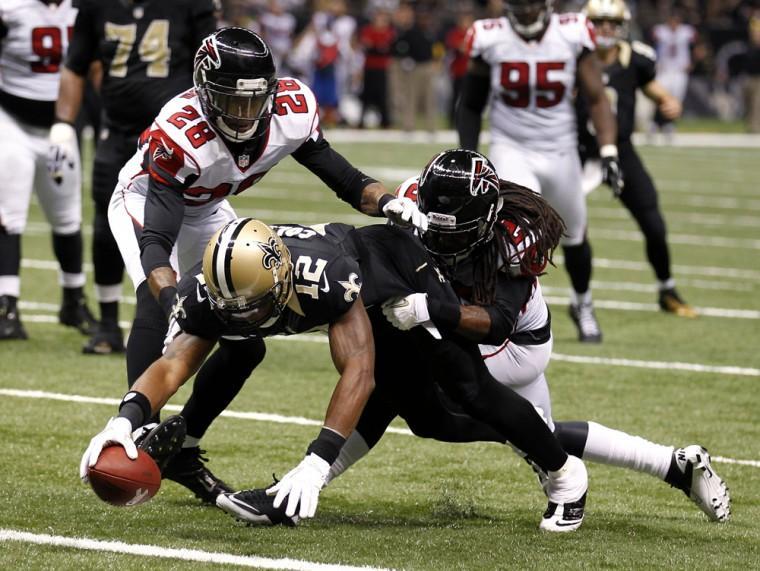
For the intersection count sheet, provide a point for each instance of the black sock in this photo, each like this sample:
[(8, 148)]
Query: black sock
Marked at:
[(146, 340), (72, 295), (578, 265), (10, 253), (109, 312), (68, 252), (219, 381), (572, 436)]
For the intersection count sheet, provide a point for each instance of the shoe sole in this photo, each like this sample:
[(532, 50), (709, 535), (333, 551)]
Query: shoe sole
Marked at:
[(172, 433)]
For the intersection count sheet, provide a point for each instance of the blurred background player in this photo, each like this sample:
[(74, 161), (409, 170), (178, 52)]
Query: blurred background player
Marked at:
[(526, 64), (146, 50), (629, 66), (674, 41), (34, 36)]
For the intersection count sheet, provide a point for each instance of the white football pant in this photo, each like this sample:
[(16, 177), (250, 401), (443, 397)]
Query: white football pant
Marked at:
[(557, 177), (126, 215)]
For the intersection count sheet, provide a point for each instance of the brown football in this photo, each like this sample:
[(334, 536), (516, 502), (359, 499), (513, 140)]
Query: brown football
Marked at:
[(123, 482)]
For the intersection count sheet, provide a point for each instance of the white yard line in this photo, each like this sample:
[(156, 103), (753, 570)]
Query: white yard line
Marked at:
[(634, 306), (711, 271), (257, 416), (684, 239), (172, 553), (682, 217)]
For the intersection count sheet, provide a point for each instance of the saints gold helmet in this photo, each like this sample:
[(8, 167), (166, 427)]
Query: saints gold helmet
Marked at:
[(248, 272), (613, 11)]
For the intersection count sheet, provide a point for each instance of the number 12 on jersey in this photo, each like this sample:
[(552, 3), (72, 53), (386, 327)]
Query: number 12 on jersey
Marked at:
[(518, 89)]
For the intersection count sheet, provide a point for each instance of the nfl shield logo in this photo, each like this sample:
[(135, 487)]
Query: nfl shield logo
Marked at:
[(244, 160)]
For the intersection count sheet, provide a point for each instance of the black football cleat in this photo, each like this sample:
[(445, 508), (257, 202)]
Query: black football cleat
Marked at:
[(255, 507), (671, 302), (10, 323), (106, 339), (585, 321), (691, 472), (188, 469), (76, 314), (163, 441)]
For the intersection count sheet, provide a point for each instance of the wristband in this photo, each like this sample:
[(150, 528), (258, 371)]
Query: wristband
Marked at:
[(384, 200), (166, 299), (444, 315), (606, 151), (136, 408), (327, 445), (59, 120)]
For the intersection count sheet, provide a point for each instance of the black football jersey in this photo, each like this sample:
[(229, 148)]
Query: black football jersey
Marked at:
[(147, 49), (633, 69), (333, 264)]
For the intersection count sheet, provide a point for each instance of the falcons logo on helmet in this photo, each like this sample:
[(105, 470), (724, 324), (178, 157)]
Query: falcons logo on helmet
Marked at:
[(207, 56), (483, 178), (272, 254)]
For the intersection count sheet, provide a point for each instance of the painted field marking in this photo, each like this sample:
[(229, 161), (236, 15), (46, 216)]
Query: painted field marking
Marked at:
[(256, 416), (172, 553)]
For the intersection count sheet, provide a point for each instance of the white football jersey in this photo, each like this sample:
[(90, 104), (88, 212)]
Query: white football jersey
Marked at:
[(185, 148), (674, 47), (33, 50), (532, 82)]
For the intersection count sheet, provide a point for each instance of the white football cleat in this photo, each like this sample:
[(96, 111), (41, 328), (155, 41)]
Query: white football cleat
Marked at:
[(700, 482), (566, 489)]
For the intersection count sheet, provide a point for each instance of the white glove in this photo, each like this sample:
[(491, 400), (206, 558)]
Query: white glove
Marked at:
[(117, 431), (404, 212), (63, 150), (407, 312), (301, 485)]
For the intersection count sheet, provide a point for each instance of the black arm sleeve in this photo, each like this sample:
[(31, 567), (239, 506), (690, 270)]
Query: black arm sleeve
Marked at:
[(334, 170), (475, 91), (511, 296), (164, 212), (203, 22), (84, 41)]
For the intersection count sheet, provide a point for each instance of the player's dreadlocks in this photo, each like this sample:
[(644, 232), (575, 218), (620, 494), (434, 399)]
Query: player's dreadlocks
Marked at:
[(539, 223)]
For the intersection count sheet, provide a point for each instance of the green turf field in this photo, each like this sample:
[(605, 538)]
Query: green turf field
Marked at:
[(412, 503)]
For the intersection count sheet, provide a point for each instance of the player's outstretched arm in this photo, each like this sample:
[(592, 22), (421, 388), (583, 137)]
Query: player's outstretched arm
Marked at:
[(148, 395), (353, 352)]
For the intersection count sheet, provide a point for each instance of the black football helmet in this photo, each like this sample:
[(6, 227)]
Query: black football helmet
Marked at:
[(529, 18), (234, 76), (459, 192)]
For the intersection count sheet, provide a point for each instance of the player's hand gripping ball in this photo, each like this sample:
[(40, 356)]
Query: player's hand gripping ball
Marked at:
[(120, 481)]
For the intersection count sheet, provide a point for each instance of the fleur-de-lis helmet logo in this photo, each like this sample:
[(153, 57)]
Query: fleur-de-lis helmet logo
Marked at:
[(272, 254)]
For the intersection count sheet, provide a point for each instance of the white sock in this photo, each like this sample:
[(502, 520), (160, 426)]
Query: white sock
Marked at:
[(354, 449), (670, 283), (191, 442), (71, 280), (578, 298), (616, 448)]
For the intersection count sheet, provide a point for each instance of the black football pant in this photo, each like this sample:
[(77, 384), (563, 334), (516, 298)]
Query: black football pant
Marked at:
[(111, 155), (640, 198), (443, 389)]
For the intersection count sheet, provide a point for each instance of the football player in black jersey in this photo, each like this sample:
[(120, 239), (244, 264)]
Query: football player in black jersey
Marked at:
[(629, 66), (513, 327), (259, 295), (146, 50)]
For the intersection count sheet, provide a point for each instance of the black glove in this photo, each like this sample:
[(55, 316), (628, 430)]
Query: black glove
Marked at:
[(612, 175)]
